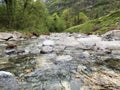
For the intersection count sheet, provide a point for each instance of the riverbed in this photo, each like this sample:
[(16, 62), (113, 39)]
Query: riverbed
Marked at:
[(64, 61)]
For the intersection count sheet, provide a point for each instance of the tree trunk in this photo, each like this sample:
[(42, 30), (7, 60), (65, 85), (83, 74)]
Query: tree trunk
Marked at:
[(10, 9)]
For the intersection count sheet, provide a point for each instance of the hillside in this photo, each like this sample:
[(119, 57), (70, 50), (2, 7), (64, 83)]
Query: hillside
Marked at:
[(92, 8), (100, 25)]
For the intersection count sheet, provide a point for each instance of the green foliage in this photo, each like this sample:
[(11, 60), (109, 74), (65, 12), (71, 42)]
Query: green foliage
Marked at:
[(80, 18), (100, 25), (92, 8), (68, 17), (31, 16), (57, 24), (72, 19), (25, 15)]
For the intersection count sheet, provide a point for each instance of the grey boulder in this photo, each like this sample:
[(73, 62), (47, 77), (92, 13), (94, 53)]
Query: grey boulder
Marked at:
[(8, 82)]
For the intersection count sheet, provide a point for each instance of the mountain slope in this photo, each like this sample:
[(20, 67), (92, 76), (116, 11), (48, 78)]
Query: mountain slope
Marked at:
[(92, 8), (100, 25)]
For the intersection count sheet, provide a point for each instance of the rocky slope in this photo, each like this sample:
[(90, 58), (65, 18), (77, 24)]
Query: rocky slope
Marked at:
[(64, 61)]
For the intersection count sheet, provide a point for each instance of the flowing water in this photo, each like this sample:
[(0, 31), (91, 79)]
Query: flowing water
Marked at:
[(65, 68)]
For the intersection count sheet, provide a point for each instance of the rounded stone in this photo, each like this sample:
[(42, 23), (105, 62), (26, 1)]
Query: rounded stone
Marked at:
[(48, 43), (8, 82), (64, 58), (46, 49)]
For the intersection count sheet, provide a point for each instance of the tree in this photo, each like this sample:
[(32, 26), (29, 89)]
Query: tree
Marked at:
[(80, 18), (24, 15), (10, 11), (68, 17), (58, 25)]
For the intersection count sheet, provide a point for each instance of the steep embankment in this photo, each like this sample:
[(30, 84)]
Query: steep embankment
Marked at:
[(100, 25)]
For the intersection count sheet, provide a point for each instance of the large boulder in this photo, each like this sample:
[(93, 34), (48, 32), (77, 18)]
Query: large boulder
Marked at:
[(6, 36), (11, 36), (8, 82)]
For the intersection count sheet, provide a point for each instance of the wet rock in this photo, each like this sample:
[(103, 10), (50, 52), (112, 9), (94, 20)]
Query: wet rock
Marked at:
[(11, 36), (48, 43), (46, 49), (45, 61), (60, 35), (108, 45), (20, 50), (64, 85), (115, 52), (64, 58), (89, 42), (33, 49), (76, 84), (2, 50), (6, 36), (8, 81), (81, 68), (10, 52), (86, 54), (33, 37), (111, 35), (59, 48), (11, 44), (68, 41), (17, 35)]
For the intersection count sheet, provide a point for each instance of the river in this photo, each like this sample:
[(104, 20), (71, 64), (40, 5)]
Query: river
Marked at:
[(63, 61)]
